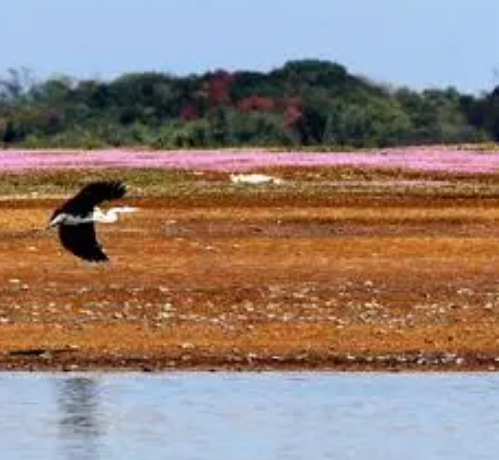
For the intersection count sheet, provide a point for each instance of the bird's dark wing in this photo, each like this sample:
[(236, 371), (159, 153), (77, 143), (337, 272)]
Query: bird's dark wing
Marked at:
[(82, 242), (92, 195)]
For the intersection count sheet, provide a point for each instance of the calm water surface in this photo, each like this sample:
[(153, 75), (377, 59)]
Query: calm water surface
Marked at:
[(249, 416)]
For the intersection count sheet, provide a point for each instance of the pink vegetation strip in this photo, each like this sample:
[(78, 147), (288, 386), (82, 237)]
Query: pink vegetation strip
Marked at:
[(446, 159)]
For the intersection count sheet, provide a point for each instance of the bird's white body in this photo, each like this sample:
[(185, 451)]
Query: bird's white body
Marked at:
[(111, 215), (98, 215), (254, 179)]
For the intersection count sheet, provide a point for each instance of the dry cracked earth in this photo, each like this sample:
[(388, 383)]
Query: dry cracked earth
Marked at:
[(349, 281)]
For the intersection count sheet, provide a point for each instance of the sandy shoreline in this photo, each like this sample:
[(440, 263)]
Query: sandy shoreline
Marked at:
[(262, 281)]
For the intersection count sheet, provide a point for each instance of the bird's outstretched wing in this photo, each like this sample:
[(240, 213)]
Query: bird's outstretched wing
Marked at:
[(82, 242), (92, 195)]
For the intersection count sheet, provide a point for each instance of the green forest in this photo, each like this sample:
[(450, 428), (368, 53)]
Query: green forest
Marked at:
[(303, 104)]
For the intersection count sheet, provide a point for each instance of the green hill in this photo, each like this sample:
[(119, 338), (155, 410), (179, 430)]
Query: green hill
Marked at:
[(303, 103)]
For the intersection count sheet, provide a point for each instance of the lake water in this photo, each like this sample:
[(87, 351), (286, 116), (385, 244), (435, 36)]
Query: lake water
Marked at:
[(249, 416)]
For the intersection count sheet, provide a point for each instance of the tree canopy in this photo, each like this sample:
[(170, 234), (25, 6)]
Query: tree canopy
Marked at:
[(303, 103)]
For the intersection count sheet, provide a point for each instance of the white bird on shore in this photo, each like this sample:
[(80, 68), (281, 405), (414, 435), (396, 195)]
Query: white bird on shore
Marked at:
[(254, 179), (76, 217)]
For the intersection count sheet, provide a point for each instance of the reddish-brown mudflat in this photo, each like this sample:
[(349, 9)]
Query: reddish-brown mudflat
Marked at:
[(260, 280)]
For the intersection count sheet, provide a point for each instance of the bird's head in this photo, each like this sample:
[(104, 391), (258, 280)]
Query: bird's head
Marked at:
[(56, 219)]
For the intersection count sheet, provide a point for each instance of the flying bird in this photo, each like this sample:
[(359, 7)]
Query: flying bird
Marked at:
[(76, 217)]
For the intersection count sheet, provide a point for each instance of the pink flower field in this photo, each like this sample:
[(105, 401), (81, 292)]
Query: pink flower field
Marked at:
[(438, 159)]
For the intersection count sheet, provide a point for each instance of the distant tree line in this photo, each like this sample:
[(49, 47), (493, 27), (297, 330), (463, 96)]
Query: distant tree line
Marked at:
[(304, 103)]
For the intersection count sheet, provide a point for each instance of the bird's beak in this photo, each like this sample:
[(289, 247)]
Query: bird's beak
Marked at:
[(54, 221)]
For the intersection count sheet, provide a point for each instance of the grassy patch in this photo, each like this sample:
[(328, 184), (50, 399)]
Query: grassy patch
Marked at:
[(304, 182)]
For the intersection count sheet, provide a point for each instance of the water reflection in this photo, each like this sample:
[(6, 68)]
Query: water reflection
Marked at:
[(205, 416), (80, 418)]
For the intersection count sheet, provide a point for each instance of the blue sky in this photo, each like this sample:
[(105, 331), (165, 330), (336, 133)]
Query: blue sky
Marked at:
[(418, 43)]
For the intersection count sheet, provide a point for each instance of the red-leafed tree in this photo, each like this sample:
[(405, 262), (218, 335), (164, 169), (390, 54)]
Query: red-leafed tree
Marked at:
[(292, 114), (257, 103), (217, 87), (189, 111)]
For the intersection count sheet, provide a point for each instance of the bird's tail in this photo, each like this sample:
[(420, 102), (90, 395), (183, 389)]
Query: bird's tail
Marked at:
[(125, 209)]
